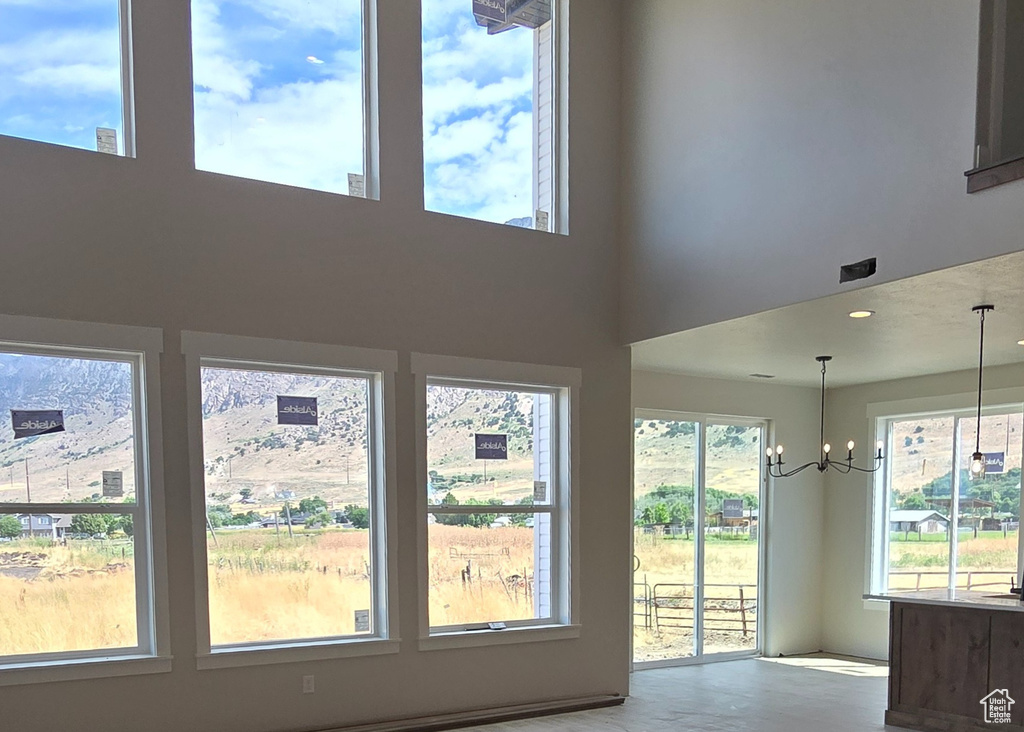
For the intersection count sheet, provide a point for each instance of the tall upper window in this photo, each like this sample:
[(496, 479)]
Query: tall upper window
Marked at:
[(64, 73), (280, 92), (935, 526), (78, 578), (293, 508), (492, 122)]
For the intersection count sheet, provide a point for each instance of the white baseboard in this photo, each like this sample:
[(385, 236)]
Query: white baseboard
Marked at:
[(456, 720)]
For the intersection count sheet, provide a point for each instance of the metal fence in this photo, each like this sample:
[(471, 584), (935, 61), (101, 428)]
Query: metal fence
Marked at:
[(967, 579), (672, 605)]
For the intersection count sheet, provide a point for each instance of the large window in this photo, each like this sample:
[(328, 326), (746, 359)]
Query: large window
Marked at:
[(281, 92), (497, 502), (935, 526), (77, 574), (293, 509), (492, 110), (65, 73)]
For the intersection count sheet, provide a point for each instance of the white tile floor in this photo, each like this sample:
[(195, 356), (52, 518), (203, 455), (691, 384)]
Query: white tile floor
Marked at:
[(778, 695)]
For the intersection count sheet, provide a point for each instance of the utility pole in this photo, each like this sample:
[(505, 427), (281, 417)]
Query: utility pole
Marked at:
[(347, 481), (288, 518), (28, 495)]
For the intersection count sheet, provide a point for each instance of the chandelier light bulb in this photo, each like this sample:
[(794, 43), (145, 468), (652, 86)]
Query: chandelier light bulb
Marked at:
[(879, 445), (768, 452), (778, 450), (849, 445), (826, 448)]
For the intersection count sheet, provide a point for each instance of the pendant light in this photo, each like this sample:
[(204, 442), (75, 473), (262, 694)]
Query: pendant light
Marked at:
[(825, 462), (978, 458)]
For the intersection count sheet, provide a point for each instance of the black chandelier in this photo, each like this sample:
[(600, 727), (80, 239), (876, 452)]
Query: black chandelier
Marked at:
[(825, 462), (978, 458)]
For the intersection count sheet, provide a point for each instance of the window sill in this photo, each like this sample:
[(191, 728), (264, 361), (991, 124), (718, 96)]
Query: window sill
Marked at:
[(876, 605), (101, 667), (991, 176), (239, 656), (476, 638)]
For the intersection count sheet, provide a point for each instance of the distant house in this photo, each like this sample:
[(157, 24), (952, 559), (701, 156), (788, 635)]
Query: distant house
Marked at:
[(919, 521), (51, 526)]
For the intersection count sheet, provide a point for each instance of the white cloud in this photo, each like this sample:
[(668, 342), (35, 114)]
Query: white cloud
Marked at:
[(305, 134), (478, 148), (341, 17), (73, 79)]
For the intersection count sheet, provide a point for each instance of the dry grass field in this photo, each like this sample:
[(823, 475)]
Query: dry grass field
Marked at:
[(64, 598), (264, 586), (670, 561)]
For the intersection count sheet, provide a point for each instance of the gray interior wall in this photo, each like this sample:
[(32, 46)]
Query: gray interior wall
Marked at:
[(152, 242), (770, 142), (850, 625), (792, 606)]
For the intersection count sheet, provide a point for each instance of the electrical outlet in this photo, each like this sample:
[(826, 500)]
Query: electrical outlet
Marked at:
[(308, 684)]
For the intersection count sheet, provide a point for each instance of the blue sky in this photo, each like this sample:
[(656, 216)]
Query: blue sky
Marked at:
[(278, 93), (60, 73)]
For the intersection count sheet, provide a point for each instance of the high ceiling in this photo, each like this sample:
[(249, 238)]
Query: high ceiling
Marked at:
[(922, 325)]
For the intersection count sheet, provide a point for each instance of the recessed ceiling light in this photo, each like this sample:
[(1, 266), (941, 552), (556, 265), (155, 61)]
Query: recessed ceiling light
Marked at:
[(862, 313), (763, 376)]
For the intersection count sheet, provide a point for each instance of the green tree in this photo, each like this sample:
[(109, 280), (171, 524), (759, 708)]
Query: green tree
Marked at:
[(245, 493), (89, 524), (10, 527), (914, 501), (313, 505), (661, 514), (358, 516), (319, 520)]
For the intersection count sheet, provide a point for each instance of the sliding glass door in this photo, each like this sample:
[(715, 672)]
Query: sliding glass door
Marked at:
[(698, 486)]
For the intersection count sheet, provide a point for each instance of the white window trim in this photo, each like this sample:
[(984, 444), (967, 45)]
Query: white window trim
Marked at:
[(564, 383), (141, 346), (312, 358), (880, 415)]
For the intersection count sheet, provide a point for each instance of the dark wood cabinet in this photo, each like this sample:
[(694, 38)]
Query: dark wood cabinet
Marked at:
[(944, 661)]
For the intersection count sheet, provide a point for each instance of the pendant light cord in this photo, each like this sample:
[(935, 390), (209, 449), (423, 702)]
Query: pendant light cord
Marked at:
[(981, 369), (821, 442)]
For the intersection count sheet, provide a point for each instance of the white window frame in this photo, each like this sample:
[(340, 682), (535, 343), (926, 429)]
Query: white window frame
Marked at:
[(882, 416), (142, 348), (704, 420), (260, 354), (563, 383), (371, 110)]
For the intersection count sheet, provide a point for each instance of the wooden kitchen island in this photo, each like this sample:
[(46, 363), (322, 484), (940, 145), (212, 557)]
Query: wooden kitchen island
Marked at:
[(948, 654)]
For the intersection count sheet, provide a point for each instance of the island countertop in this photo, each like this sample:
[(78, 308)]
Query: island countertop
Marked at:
[(954, 598)]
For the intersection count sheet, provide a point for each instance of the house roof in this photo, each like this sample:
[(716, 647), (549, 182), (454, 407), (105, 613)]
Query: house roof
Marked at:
[(915, 516)]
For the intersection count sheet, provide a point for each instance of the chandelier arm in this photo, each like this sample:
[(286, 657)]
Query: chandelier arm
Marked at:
[(842, 467), (794, 471), (866, 470)]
